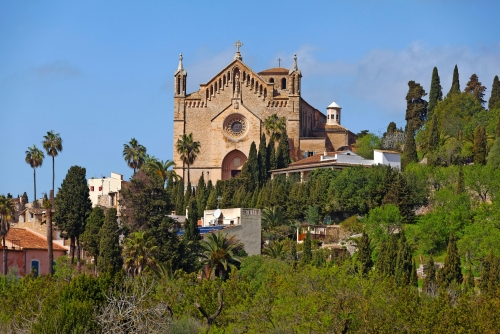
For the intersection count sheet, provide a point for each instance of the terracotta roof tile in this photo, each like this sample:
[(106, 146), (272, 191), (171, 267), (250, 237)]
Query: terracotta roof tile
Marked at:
[(30, 240), (275, 70)]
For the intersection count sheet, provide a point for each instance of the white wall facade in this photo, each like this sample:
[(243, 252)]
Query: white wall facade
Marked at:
[(104, 186)]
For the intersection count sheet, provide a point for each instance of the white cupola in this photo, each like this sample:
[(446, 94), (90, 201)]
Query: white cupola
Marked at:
[(333, 114)]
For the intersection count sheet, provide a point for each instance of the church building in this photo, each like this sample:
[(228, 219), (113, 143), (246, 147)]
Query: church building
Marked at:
[(227, 114)]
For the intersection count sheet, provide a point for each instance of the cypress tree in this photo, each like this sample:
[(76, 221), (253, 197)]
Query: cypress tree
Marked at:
[(283, 152), (414, 277), (410, 148), (391, 128), (430, 283), (262, 160), (110, 259), (475, 88), (433, 143), (451, 270), (179, 197), (90, 238), (307, 252), (187, 198), (494, 101), (201, 196), (253, 166), (460, 180), (469, 282), (271, 152), (436, 92), (404, 265), (293, 250), (73, 206), (455, 83), (212, 199), (497, 132), (25, 197), (191, 230), (365, 254), (480, 145)]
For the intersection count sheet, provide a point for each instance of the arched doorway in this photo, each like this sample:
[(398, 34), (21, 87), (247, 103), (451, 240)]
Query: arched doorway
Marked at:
[(232, 163)]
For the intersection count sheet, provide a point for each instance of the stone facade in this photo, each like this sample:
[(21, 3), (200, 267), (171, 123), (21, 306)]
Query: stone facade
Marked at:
[(227, 113)]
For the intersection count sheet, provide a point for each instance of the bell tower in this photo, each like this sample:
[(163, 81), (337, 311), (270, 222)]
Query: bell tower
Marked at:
[(180, 80)]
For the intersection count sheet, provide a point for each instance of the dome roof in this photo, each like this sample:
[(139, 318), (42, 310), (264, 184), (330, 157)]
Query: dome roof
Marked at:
[(334, 105)]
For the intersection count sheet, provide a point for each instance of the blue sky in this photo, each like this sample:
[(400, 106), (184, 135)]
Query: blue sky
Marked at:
[(101, 72)]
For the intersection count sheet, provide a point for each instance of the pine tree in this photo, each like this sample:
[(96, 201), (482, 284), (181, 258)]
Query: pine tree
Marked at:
[(451, 271), (400, 195), (263, 161), (271, 152), (416, 106), (110, 257), (283, 152), (73, 207), (410, 148), (430, 282), (388, 255), (494, 101), (475, 88), (365, 254), (455, 83), (436, 92), (307, 252), (480, 145), (191, 230)]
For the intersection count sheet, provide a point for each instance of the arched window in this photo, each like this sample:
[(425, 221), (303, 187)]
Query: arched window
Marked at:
[(271, 80), (178, 85), (220, 83), (224, 80), (216, 86), (211, 90), (228, 76), (244, 76), (265, 92), (248, 78), (283, 83), (260, 90), (251, 83), (293, 85), (207, 94)]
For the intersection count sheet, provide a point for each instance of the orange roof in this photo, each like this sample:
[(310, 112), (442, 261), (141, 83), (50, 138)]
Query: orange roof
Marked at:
[(330, 126), (30, 240), (275, 70)]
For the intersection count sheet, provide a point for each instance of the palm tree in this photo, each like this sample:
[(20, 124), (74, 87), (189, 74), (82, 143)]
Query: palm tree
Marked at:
[(220, 253), (134, 154), (273, 217), (274, 126), (53, 145), (7, 210), (188, 150), (162, 169), (34, 157), (138, 252), (276, 250)]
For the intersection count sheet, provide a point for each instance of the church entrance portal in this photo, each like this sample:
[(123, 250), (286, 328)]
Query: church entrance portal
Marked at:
[(232, 164)]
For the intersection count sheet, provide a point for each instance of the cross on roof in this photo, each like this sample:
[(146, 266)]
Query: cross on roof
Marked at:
[(238, 45), (279, 62)]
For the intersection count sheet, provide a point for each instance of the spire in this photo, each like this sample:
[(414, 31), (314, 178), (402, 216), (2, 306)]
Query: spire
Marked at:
[(238, 45), (295, 68), (180, 68)]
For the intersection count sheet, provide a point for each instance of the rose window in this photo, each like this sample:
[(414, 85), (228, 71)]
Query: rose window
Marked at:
[(235, 126)]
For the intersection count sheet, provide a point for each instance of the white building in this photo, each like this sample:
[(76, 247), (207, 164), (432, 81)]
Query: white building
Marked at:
[(104, 191), (339, 160), (245, 224)]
